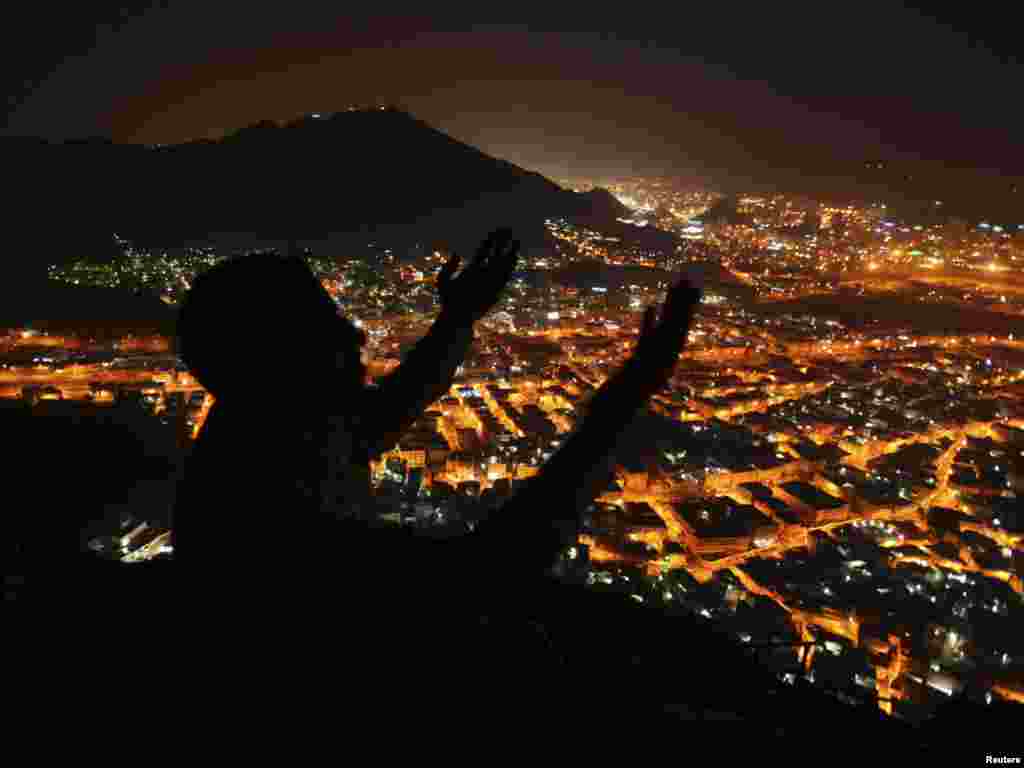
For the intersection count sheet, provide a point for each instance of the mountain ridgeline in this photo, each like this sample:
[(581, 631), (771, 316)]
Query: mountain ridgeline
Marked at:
[(353, 173)]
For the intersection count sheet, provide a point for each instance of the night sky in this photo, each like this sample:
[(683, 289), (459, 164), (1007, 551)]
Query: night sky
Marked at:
[(796, 96)]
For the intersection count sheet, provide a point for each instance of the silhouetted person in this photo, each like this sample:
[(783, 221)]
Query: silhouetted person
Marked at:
[(272, 506), (286, 447), (279, 473)]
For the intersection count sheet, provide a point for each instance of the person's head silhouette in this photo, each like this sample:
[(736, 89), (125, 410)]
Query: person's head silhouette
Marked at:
[(248, 327), (247, 314)]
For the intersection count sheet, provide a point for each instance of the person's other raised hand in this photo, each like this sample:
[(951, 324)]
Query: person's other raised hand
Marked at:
[(660, 343), (473, 293)]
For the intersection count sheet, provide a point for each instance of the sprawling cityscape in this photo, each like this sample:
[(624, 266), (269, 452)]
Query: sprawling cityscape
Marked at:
[(831, 477)]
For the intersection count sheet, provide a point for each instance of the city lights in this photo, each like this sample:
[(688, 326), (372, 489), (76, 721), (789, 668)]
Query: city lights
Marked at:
[(786, 432)]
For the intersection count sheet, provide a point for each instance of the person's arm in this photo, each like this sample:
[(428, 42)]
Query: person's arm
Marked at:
[(430, 367), (532, 527), (520, 541), (424, 377), (544, 516)]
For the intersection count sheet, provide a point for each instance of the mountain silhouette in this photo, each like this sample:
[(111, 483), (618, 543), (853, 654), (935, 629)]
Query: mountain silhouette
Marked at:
[(602, 204), (353, 172)]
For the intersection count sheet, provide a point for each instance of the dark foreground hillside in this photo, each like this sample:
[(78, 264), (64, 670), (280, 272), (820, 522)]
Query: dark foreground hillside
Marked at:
[(547, 658)]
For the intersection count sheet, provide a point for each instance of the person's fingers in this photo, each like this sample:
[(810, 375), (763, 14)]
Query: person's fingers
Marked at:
[(481, 252), (502, 244), (675, 316), (680, 290), (510, 255), (648, 324), (495, 251), (486, 247), (513, 250), (688, 292), (509, 267), (679, 302), (502, 239)]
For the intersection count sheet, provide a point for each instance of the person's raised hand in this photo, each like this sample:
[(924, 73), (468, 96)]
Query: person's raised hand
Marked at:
[(660, 343), (471, 295)]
